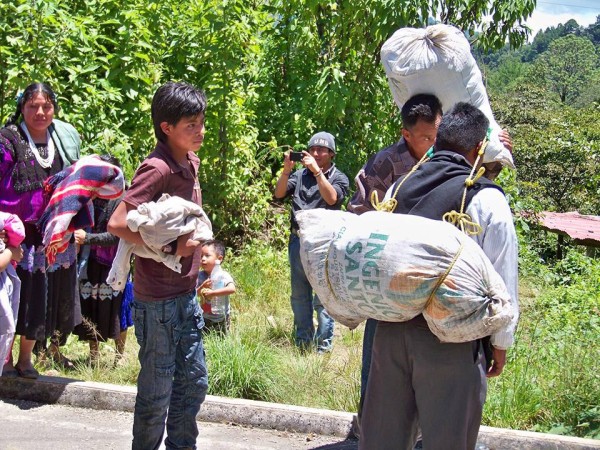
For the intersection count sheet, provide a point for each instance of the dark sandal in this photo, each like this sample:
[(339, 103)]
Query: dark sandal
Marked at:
[(30, 374)]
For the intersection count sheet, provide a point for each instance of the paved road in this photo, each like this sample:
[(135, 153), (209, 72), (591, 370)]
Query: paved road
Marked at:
[(33, 426)]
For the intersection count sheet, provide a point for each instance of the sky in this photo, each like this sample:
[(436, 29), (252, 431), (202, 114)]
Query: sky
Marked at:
[(550, 13)]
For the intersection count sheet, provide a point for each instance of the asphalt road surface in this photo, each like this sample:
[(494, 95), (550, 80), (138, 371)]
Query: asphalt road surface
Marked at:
[(33, 426)]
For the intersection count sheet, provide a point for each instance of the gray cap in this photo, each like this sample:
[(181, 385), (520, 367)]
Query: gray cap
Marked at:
[(322, 139)]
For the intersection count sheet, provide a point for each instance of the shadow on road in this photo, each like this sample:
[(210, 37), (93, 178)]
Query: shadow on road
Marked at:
[(348, 444)]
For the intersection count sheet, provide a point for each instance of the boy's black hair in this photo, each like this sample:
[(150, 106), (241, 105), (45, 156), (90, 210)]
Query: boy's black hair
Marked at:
[(107, 157), (217, 245), (424, 107), (174, 101), (461, 129), (27, 94)]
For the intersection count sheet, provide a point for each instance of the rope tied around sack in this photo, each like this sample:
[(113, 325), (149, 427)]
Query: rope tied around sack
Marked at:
[(462, 220), (441, 279), (390, 204)]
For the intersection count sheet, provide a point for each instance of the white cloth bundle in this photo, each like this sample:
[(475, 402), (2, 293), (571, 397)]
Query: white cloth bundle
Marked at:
[(385, 266), (437, 60), (159, 223)]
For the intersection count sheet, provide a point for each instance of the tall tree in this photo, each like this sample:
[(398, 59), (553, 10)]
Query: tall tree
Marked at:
[(274, 72), (568, 65), (556, 149)]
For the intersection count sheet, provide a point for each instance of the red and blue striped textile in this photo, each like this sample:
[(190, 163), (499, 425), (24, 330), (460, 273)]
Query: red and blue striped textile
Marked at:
[(70, 195)]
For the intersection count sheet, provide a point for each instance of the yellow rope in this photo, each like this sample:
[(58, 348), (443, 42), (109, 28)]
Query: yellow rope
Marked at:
[(462, 220), (390, 204), (443, 277)]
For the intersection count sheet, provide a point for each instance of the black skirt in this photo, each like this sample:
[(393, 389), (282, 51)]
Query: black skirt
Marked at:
[(49, 305), (100, 305)]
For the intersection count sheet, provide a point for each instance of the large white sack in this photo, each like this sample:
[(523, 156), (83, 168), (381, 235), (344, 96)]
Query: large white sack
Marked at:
[(437, 60), (384, 266)]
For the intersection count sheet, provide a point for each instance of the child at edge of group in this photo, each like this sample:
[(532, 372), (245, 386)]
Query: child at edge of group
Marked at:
[(10, 286), (213, 254), (173, 380)]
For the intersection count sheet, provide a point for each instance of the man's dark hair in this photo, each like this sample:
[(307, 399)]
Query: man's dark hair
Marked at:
[(424, 107), (461, 129), (174, 101), (217, 245)]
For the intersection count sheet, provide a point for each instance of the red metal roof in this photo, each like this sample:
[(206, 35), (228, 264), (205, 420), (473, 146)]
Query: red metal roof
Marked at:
[(584, 230)]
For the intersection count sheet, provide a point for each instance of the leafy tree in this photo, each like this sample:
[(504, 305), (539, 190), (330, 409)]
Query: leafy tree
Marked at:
[(593, 32), (543, 39), (273, 71), (509, 72), (590, 92), (557, 149), (568, 66)]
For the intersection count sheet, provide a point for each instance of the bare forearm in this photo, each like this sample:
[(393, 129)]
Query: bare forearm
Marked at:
[(326, 190), (117, 225), (5, 258), (227, 290)]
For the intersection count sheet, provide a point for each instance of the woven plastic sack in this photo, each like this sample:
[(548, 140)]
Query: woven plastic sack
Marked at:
[(437, 60), (386, 266)]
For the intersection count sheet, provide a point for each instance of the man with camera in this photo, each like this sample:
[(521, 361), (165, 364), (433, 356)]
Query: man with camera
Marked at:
[(319, 184)]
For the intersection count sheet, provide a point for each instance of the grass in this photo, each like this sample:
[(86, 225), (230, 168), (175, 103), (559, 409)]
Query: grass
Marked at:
[(551, 382)]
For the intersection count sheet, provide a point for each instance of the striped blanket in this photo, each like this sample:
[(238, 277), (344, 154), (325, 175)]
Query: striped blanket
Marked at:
[(70, 194)]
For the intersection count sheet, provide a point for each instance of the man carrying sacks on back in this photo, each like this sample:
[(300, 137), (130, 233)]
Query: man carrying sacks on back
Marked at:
[(421, 115), (415, 379)]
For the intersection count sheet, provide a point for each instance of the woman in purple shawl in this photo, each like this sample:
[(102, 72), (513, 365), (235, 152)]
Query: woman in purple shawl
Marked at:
[(33, 147)]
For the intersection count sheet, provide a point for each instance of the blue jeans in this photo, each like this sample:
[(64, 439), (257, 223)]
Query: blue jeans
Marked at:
[(173, 373), (303, 302)]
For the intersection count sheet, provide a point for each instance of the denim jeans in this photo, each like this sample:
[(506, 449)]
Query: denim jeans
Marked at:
[(304, 302), (173, 373)]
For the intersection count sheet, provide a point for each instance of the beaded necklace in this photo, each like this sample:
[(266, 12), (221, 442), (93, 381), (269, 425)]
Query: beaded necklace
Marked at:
[(46, 162)]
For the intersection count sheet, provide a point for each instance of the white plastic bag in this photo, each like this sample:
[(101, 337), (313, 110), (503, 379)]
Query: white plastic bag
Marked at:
[(385, 266), (437, 60)]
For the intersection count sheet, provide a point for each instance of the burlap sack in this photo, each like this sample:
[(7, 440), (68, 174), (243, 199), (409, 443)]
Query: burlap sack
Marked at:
[(437, 60), (386, 266)]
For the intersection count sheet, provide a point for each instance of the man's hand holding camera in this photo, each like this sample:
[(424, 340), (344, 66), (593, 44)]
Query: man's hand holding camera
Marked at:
[(303, 158)]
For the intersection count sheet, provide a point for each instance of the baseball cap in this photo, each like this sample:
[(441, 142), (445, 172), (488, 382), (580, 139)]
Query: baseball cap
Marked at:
[(322, 139)]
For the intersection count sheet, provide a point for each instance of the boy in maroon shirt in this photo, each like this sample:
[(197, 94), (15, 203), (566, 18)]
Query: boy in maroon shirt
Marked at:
[(173, 381)]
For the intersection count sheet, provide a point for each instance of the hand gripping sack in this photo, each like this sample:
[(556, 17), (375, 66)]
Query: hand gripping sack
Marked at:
[(437, 60), (388, 266)]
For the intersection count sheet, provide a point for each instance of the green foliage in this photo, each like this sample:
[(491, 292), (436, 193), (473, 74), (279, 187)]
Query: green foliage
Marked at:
[(274, 72), (544, 38), (106, 59), (510, 73), (550, 384), (568, 66), (593, 32), (553, 142), (243, 369)]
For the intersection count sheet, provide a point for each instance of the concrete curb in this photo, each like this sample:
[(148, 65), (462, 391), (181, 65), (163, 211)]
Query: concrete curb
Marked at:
[(65, 391)]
